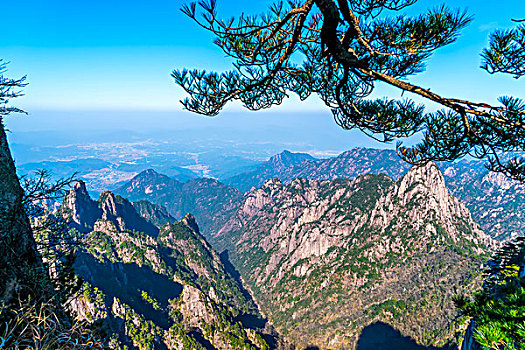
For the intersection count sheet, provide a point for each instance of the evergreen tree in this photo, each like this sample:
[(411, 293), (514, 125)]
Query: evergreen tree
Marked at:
[(344, 48)]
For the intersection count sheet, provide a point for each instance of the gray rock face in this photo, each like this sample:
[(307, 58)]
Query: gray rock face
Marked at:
[(84, 212), (189, 220), (21, 271), (425, 188), (497, 203), (194, 308), (358, 243)]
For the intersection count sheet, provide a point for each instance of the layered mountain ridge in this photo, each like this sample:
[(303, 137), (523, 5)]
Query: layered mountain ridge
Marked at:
[(161, 288), (326, 258), (210, 201), (496, 202)]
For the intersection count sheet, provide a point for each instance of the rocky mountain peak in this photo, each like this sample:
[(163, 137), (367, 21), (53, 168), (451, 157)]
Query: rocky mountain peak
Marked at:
[(78, 193), (150, 172), (82, 210), (147, 174), (80, 187), (423, 187), (428, 176), (189, 220), (107, 203), (145, 183), (287, 158)]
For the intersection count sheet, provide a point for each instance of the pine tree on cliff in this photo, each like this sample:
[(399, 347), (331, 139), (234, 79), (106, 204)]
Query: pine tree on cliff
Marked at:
[(345, 47), (21, 270), (31, 314)]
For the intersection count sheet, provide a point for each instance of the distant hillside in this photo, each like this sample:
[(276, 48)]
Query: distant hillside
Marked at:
[(154, 213), (495, 202), (209, 200), (162, 288), (274, 167), (326, 258), (100, 174)]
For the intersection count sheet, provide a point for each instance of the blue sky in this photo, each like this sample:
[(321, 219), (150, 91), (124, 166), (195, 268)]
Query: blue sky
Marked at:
[(117, 56)]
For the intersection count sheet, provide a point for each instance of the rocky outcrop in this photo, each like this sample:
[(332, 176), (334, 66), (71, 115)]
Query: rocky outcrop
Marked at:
[(424, 187), (84, 211), (194, 309), (496, 203), (80, 208), (168, 289), (122, 213), (21, 271), (325, 258)]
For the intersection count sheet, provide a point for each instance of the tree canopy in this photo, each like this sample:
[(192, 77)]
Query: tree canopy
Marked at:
[(9, 89), (340, 50)]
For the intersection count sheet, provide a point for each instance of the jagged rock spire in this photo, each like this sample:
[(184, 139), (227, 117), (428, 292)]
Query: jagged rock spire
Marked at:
[(189, 220)]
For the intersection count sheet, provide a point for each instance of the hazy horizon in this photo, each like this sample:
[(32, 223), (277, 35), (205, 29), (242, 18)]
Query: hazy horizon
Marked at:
[(116, 58)]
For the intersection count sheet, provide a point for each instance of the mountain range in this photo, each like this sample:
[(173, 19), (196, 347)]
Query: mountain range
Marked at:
[(496, 203), (327, 250), (154, 282), (210, 201), (325, 258)]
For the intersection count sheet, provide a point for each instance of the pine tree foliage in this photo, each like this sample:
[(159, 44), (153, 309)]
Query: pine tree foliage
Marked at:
[(9, 89), (31, 314), (498, 310), (340, 50)]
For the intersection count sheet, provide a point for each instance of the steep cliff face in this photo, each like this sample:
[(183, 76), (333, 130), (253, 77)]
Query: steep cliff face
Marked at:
[(21, 271), (84, 211), (496, 202), (326, 258), (168, 289), (209, 200)]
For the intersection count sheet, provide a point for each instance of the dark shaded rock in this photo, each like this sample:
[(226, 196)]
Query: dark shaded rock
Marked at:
[(21, 271)]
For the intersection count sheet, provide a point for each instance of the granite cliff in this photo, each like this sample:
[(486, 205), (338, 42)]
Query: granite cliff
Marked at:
[(326, 258), (497, 203), (156, 286)]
